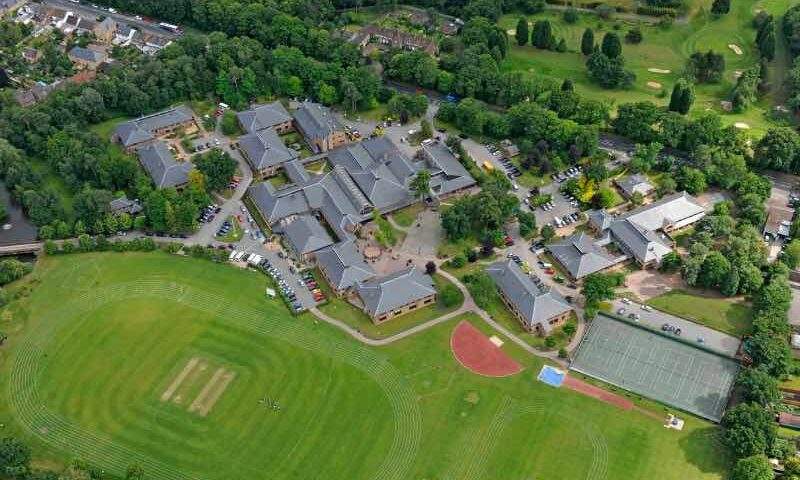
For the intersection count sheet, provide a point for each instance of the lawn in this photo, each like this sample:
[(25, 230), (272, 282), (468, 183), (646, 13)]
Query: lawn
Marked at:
[(664, 47), (105, 129), (96, 350), (407, 216), (343, 310), (279, 180), (723, 314)]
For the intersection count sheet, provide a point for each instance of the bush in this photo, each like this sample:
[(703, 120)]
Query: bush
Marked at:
[(570, 15), (458, 261), (449, 295), (634, 36), (562, 353), (550, 342)]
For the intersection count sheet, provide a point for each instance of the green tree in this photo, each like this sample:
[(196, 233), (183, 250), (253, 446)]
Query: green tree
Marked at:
[(542, 36), (229, 124), (791, 254), (758, 386), (721, 7), (522, 33), (749, 429), (755, 467), (218, 167), (15, 457), (449, 295), (611, 46), (12, 269), (548, 233), (587, 42), (682, 97), (421, 183)]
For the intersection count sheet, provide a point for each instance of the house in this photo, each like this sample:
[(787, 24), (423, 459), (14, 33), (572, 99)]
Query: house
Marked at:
[(145, 129), (265, 152), (599, 220), (581, 255), (343, 266), (633, 184), (779, 222), (106, 30), (124, 35), (540, 310), (31, 55), (319, 127), (124, 205), (449, 28), (396, 294), (789, 420), (37, 93), (304, 234), (261, 117), (160, 164), (647, 247), (448, 175), (152, 44), (87, 57), (394, 38), (509, 148)]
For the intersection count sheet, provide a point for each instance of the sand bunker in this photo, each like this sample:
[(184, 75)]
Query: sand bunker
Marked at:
[(741, 126), (736, 49), (655, 85), (511, 31), (658, 70)]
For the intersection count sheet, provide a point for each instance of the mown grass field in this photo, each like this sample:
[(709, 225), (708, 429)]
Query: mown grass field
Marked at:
[(97, 340), (663, 47), (723, 314)]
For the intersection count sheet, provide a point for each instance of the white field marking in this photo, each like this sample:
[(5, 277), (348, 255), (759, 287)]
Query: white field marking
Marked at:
[(222, 385), (198, 402), (170, 391), (496, 341)]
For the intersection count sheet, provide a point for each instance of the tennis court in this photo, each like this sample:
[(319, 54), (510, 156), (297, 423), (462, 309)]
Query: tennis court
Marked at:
[(655, 366)]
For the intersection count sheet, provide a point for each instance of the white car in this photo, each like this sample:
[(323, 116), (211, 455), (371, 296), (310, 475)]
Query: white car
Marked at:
[(626, 301), (647, 308)]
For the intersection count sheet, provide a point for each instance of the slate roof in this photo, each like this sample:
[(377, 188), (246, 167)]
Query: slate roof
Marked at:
[(264, 149), (305, 234), (316, 121), (535, 305), (264, 116), (123, 204), (645, 245), (142, 129), (635, 183), (670, 210), (600, 220), (384, 294), (344, 265), (447, 173), (582, 255), (296, 172), (87, 55), (157, 159), (274, 205)]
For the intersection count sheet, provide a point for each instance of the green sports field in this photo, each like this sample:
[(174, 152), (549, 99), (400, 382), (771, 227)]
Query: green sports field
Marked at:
[(186, 368)]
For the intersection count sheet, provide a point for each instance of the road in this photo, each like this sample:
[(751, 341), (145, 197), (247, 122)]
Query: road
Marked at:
[(88, 11), (690, 331)]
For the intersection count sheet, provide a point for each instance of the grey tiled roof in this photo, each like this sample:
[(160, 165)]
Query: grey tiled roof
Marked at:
[(265, 149), (157, 159), (142, 128), (384, 294), (87, 55), (645, 245), (263, 116), (305, 234), (600, 220), (274, 205), (447, 173), (344, 265), (670, 210), (536, 306), (635, 183), (123, 204), (582, 255), (316, 121), (296, 172)]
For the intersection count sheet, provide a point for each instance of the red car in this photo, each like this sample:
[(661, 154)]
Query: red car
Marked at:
[(509, 241), (549, 271)]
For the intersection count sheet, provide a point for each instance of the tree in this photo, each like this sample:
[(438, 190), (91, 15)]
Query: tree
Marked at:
[(421, 183), (765, 39), (430, 268), (634, 36), (611, 46), (604, 198), (671, 262), (682, 97), (587, 42), (570, 15), (692, 180), (599, 286), (449, 295), (644, 157), (522, 33), (12, 269), (721, 7), (756, 467), (229, 124), (706, 67), (749, 429), (542, 36), (134, 472), (218, 167), (548, 232), (758, 386), (791, 254), (527, 224), (609, 72), (15, 457)]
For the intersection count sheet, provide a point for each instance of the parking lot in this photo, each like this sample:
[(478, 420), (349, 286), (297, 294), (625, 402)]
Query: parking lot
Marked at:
[(693, 332)]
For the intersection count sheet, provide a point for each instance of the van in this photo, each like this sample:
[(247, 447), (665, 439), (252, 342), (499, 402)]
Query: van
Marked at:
[(546, 265)]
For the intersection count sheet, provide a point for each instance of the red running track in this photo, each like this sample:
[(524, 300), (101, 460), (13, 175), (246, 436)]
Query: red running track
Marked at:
[(478, 354)]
